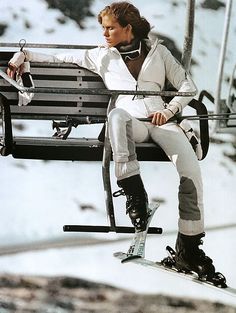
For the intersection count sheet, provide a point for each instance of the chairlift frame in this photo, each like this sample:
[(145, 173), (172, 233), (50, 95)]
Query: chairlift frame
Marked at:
[(186, 60)]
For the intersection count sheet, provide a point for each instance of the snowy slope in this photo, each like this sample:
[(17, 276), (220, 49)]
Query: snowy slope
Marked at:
[(38, 198)]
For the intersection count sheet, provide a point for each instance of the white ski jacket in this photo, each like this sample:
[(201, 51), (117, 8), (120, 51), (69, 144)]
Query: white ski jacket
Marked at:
[(108, 63)]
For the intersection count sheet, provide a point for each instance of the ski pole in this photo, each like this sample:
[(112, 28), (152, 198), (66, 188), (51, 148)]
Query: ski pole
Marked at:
[(220, 116)]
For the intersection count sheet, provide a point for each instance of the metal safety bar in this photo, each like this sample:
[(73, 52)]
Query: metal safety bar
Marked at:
[(96, 91), (45, 45)]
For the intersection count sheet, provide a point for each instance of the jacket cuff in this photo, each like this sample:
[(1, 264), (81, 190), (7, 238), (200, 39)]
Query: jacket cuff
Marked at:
[(167, 113), (174, 107)]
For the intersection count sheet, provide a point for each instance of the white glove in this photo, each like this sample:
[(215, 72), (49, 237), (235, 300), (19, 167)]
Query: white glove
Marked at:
[(17, 59)]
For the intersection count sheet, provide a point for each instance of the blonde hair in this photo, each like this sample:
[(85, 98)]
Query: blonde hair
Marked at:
[(126, 13)]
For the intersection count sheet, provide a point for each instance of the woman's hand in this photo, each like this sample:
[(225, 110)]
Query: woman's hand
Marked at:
[(16, 61), (11, 71), (161, 117), (158, 118)]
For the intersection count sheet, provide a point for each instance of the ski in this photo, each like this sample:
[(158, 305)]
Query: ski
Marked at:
[(167, 265), (137, 247)]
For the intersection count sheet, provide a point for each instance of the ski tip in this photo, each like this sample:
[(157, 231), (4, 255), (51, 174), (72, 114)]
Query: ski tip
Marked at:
[(154, 205), (126, 257), (130, 258), (119, 255)]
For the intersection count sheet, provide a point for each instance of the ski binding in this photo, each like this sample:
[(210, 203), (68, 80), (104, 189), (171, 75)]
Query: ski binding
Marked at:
[(137, 247), (136, 254)]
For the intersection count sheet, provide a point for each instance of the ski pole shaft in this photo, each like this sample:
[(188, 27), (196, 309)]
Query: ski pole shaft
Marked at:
[(220, 116)]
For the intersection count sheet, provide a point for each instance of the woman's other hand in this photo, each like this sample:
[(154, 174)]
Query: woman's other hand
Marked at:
[(16, 61), (161, 117), (11, 71)]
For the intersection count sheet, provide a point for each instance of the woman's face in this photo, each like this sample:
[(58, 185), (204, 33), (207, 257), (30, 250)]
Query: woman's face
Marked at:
[(114, 33)]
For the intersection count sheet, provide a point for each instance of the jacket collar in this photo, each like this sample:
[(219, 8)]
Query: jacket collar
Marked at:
[(151, 44)]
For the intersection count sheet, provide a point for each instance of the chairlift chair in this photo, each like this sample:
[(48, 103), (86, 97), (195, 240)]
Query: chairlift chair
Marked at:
[(47, 148)]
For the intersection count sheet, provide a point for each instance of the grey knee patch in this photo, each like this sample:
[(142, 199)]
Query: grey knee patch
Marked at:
[(188, 203)]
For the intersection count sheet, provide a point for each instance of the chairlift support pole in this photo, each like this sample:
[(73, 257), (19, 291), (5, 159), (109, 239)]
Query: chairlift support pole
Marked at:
[(218, 99), (188, 38)]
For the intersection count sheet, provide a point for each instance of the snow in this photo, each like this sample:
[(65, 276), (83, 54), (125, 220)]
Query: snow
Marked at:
[(38, 198)]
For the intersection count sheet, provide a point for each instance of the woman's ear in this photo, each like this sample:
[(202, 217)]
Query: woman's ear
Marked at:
[(129, 32), (129, 28)]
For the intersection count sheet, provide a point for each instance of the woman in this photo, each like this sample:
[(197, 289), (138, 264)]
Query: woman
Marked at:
[(129, 61)]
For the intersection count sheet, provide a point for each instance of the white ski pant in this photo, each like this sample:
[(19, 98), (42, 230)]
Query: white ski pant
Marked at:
[(125, 130)]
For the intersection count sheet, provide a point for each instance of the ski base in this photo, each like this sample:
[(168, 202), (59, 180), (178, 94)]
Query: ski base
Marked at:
[(160, 265), (130, 258)]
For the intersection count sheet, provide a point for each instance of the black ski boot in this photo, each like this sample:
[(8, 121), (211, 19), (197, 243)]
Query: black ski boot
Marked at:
[(190, 258), (137, 201)]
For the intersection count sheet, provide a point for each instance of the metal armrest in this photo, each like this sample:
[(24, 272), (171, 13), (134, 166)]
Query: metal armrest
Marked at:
[(205, 93), (203, 125)]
